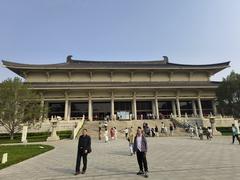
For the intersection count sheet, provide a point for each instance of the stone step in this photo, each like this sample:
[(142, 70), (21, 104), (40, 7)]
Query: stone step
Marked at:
[(93, 126)]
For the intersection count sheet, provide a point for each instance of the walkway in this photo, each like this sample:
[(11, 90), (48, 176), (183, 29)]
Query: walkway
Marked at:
[(170, 158)]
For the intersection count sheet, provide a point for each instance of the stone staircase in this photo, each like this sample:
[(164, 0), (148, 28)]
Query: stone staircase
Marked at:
[(183, 122), (92, 127), (219, 120)]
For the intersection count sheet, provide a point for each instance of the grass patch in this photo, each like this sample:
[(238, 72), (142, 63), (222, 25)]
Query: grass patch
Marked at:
[(33, 137), (18, 153), (226, 131)]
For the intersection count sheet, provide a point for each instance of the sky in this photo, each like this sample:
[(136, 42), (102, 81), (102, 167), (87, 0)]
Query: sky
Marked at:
[(187, 31)]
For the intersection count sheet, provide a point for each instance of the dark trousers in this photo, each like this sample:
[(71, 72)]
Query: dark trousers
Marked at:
[(142, 160), (84, 157), (233, 138)]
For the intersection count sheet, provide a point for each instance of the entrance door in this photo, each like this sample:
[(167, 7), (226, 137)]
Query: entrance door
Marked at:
[(56, 109), (123, 110), (144, 110), (165, 108), (78, 109), (101, 111)]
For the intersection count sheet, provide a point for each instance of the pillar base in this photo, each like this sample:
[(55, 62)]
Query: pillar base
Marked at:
[(53, 138), (25, 142), (216, 132)]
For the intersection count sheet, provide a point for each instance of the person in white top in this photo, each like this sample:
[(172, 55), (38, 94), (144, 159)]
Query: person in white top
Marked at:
[(191, 130), (162, 127), (209, 133), (196, 131), (106, 135), (131, 140), (235, 134), (126, 132)]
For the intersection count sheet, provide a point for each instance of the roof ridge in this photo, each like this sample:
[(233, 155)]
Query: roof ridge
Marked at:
[(69, 60)]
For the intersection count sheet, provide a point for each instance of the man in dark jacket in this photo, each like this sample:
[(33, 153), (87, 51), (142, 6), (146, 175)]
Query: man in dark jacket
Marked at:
[(140, 147), (84, 147)]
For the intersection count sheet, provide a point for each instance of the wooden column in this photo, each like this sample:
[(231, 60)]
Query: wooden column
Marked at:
[(134, 106), (90, 110), (112, 107), (214, 107), (178, 107), (174, 108), (156, 106), (194, 108), (66, 111), (200, 107)]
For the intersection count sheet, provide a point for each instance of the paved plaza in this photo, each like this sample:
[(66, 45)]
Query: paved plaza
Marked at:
[(169, 158)]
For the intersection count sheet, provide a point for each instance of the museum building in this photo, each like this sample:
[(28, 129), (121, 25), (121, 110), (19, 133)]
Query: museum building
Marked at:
[(122, 90)]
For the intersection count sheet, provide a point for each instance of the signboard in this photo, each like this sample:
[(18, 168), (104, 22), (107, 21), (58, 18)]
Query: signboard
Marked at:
[(123, 115)]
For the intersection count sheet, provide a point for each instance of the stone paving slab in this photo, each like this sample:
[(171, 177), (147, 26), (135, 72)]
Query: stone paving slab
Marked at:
[(170, 158)]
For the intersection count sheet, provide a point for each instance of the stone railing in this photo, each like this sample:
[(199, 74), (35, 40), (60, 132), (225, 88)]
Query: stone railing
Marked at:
[(78, 127)]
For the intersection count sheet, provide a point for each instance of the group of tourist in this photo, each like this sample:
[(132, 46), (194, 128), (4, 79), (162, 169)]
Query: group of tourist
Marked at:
[(138, 142), (113, 132), (155, 132), (200, 132)]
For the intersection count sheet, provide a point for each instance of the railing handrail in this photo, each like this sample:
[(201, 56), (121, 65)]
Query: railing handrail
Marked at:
[(78, 127)]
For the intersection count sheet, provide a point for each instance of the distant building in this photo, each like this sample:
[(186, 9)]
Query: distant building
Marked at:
[(122, 89)]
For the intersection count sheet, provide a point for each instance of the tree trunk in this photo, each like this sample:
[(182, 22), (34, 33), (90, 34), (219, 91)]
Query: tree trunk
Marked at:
[(11, 136)]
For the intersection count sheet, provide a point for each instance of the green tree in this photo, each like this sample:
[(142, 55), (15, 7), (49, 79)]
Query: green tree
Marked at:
[(228, 95), (18, 105)]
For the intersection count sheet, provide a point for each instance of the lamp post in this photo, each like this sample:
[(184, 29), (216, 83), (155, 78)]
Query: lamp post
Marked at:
[(54, 136), (214, 130)]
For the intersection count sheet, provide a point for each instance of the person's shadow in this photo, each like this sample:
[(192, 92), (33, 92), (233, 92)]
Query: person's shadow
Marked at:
[(120, 153), (62, 171)]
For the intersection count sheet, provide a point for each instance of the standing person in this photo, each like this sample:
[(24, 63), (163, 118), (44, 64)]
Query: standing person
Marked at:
[(140, 147), (200, 133), (162, 127), (209, 133), (131, 140), (112, 134), (235, 134), (105, 124), (147, 130), (115, 133), (191, 130), (196, 131), (153, 132), (166, 130), (99, 131), (84, 147), (126, 132), (144, 126), (156, 131), (171, 129), (106, 135)]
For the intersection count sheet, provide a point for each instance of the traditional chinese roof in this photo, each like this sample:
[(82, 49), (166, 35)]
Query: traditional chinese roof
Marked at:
[(72, 64), (123, 85)]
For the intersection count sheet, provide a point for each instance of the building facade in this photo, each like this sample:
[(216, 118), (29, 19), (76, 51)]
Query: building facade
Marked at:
[(122, 90)]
